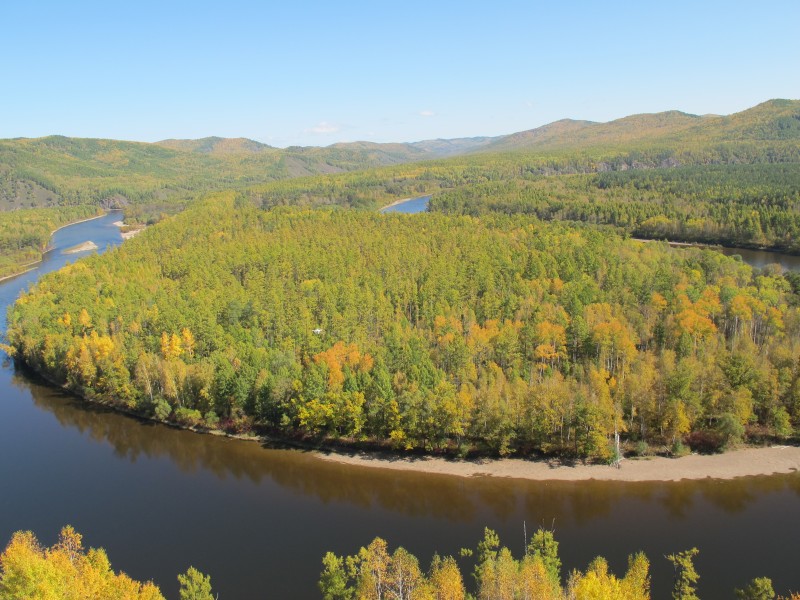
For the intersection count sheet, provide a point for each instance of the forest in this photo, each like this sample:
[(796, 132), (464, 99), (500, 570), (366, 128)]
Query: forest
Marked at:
[(733, 205), (374, 573), (499, 334), (750, 205)]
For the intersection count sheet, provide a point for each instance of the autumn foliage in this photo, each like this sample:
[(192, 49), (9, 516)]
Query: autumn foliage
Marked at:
[(495, 334)]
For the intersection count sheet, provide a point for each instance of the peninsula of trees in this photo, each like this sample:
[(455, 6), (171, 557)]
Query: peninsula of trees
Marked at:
[(502, 334)]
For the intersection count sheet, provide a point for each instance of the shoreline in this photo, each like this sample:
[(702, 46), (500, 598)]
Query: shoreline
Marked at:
[(27, 270), (747, 462), (717, 246), (733, 464), (76, 222), (395, 203), (126, 235), (743, 462), (47, 249)]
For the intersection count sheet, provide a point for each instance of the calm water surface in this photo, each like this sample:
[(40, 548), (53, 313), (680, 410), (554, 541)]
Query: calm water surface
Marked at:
[(414, 205), (762, 258), (259, 520)]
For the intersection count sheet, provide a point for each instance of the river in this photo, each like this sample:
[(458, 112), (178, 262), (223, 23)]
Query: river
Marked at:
[(410, 206), (259, 520)]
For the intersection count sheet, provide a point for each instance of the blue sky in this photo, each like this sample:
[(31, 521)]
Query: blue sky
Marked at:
[(315, 73)]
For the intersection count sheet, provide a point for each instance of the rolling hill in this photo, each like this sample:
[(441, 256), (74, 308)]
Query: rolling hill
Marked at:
[(58, 170)]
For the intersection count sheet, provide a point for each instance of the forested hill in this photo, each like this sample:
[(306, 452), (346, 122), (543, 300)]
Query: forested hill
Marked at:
[(499, 333), (217, 145), (57, 170), (771, 120)]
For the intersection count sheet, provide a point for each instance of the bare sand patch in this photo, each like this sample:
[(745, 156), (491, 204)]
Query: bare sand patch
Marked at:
[(85, 246)]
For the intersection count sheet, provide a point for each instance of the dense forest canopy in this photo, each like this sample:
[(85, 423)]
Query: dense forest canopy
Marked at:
[(500, 333), (734, 205)]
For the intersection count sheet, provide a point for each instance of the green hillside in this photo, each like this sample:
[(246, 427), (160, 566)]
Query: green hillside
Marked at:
[(217, 145), (79, 171), (772, 120), (156, 179), (60, 170)]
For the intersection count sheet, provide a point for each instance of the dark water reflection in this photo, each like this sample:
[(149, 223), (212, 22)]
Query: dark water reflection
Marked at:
[(259, 520), (762, 258), (133, 440)]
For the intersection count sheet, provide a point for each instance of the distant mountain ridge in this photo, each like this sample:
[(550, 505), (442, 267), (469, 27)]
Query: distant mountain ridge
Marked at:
[(773, 119), (57, 169)]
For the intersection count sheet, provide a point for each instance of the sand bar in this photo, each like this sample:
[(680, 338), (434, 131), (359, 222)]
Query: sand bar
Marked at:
[(85, 246), (735, 463)]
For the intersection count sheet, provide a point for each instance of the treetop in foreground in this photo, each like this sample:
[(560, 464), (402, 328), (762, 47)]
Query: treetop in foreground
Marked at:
[(66, 570)]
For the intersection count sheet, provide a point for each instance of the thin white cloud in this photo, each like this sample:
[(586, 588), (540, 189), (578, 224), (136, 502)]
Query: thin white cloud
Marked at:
[(427, 113), (324, 128)]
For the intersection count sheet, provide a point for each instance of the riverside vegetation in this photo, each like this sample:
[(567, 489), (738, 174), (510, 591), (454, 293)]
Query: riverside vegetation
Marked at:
[(374, 573), (501, 334), (25, 233)]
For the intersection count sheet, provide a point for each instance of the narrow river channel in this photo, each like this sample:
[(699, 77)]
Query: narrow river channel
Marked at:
[(259, 520)]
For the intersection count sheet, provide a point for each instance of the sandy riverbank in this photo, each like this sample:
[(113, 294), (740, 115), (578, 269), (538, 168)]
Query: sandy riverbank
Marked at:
[(27, 268), (395, 203), (76, 222), (736, 463), (745, 462)]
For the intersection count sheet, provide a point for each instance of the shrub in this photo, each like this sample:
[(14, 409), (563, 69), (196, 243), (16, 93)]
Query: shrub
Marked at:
[(162, 409), (678, 449), (211, 419), (730, 429), (188, 417), (641, 448), (704, 441)]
